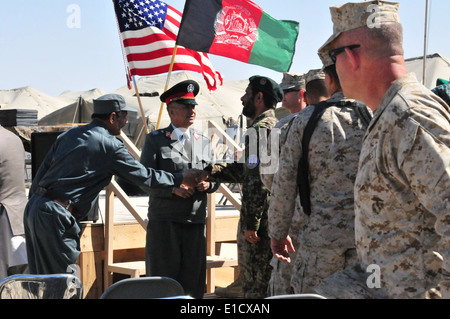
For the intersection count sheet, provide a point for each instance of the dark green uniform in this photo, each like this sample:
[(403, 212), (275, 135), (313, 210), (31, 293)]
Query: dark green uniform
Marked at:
[(254, 259)]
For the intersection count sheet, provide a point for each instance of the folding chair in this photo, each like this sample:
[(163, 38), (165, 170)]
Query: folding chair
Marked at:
[(54, 286), (297, 296), (144, 288)]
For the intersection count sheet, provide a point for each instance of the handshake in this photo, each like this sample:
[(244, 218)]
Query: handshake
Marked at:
[(193, 177)]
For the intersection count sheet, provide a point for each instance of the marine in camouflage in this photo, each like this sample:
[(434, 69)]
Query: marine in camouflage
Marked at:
[(402, 192), (333, 156)]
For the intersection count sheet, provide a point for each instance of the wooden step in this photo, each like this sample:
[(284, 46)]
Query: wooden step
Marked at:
[(131, 268), (137, 268), (219, 261)]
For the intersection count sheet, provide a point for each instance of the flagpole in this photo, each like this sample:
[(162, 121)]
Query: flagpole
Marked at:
[(140, 106), (144, 122), (167, 84)]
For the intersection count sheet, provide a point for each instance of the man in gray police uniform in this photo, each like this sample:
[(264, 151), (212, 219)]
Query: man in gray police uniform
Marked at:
[(176, 242)]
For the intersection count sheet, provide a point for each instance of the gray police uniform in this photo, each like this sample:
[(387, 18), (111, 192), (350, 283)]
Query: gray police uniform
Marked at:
[(176, 242), (79, 165)]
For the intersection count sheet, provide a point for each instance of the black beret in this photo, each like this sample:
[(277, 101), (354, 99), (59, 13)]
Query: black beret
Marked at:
[(267, 86)]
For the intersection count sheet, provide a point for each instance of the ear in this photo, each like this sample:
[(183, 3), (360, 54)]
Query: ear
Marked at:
[(305, 97), (112, 118), (259, 98), (353, 59)]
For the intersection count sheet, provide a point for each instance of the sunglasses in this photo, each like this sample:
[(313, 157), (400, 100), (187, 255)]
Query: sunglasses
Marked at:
[(335, 52), (290, 90)]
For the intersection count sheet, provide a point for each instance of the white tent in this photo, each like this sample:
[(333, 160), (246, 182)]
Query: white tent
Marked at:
[(218, 105), (437, 66), (32, 99)]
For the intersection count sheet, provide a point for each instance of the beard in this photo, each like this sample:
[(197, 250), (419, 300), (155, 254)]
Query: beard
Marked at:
[(249, 109)]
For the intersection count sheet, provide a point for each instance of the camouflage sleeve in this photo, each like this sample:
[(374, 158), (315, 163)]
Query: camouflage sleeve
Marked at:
[(227, 173), (284, 186), (427, 165), (254, 203)]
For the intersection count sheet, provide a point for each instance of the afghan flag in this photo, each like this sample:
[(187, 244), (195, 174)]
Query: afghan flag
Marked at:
[(240, 30)]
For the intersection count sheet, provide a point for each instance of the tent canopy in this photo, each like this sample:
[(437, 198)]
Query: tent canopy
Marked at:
[(437, 66)]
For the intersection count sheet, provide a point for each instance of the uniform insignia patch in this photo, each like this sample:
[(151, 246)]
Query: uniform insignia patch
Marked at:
[(252, 161), (196, 136)]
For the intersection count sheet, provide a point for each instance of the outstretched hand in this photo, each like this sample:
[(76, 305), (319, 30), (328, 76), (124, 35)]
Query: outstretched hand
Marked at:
[(281, 249), (194, 176), (184, 191)]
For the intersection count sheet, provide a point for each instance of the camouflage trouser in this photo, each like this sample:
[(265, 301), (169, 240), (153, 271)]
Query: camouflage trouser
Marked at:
[(280, 279), (313, 265), (254, 264)]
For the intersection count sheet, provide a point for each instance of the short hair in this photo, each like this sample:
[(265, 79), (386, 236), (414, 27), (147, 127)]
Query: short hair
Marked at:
[(316, 88), (382, 41), (332, 73)]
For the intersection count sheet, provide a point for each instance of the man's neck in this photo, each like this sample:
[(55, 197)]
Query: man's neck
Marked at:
[(258, 113), (382, 77)]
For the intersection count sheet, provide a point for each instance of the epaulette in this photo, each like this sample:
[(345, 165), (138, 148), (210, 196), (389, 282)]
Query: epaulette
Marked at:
[(158, 132)]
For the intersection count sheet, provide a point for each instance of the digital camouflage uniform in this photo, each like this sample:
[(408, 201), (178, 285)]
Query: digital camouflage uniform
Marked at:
[(402, 191), (280, 280), (326, 237), (255, 265)]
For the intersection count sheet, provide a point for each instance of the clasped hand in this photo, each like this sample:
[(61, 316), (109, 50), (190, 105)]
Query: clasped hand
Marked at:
[(186, 191), (193, 179)]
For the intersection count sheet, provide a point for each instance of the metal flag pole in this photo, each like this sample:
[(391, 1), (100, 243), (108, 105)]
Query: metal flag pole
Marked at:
[(127, 71), (167, 84), (140, 106), (425, 44)]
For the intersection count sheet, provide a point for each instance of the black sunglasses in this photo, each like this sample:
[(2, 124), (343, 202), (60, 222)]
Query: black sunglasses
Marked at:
[(335, 52), (290, 90)]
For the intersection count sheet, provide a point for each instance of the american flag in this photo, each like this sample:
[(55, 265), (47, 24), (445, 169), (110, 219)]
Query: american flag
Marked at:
[(149, 30)]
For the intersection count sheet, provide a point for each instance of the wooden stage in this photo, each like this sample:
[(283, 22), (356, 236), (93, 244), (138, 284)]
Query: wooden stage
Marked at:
[(128, 241)]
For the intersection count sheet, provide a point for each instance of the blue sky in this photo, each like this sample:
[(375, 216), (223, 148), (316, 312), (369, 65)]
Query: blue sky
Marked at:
[(39, 48)]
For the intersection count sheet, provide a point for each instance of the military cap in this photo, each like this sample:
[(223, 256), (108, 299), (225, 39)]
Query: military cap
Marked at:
[(183, 92), (351, 16), (292, 81), (268, 86), (325, 58), (110, 103), (316, 74)]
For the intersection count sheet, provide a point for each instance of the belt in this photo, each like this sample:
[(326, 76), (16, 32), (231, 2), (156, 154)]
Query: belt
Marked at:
[(67, 204)]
